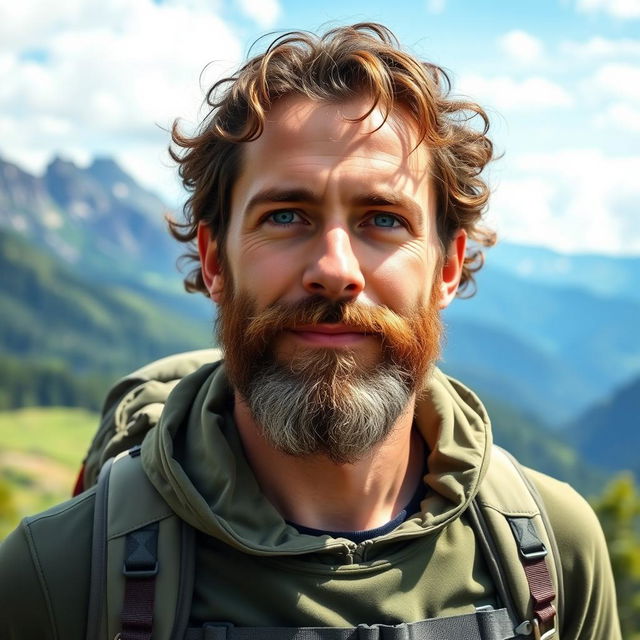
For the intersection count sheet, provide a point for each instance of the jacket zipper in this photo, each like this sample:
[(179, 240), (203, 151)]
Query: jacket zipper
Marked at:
[(360, 552)]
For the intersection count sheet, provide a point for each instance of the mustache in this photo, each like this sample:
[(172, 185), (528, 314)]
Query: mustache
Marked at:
[(313, 310), (377, 320)]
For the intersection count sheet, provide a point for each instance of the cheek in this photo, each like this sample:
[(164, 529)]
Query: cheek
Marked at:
[(266, 274), (404, 281)]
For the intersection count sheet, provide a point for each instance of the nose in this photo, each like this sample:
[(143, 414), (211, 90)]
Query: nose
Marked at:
[(334, 271)]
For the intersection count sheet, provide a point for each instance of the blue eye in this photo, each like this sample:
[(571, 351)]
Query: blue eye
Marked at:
[(384, 220), (283, 217)]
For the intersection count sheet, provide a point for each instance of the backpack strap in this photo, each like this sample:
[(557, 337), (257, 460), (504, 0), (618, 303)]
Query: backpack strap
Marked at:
[(95, 612), (494, 624), (140, 572), (553, 544), (130, 597), (519, 546)]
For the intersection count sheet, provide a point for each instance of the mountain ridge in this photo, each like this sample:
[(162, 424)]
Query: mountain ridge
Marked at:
[(605, 275), (608, 433), (95, 218)]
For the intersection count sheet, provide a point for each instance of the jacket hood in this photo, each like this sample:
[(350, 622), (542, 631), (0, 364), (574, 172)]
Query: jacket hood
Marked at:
[(195, 459)]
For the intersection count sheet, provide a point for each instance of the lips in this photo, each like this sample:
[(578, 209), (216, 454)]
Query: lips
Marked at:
[(327, 329), (330, 335)]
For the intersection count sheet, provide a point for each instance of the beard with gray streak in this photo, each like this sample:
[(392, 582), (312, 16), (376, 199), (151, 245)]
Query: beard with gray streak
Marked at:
[(322, 401)]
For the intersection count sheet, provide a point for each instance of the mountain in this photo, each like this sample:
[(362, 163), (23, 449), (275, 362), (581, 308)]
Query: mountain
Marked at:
[(497, 362), (555, 348), (51, 313), (608, 276), (608, 434), (97, 219), (90, 291), (25, 204)]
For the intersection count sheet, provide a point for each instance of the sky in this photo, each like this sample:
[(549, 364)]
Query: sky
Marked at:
[(559, 78)]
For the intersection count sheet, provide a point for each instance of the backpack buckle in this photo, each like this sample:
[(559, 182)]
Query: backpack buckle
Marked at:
[(141, 552), (538, 635), (529, 544), (140, 572), (218, 630), (532, 553)]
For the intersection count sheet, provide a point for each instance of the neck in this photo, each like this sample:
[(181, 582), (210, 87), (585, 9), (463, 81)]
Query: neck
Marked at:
[(316, 492)]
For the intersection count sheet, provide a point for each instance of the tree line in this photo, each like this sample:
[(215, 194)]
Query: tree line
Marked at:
[(48, 383)]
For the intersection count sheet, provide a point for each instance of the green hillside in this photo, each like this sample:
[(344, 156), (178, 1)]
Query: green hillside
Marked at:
[(534, 445), (608, 434), (42, 450), (50, 312)]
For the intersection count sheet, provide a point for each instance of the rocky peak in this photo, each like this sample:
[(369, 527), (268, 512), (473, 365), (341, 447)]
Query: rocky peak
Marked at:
[(107, 171), (72, 188), (96, 215), (23, 198)]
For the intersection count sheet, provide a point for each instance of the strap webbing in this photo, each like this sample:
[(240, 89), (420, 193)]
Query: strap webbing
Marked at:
[(140, 571), (533, 557), (555, 552), (137, 612), (481, 625), (541, 589)]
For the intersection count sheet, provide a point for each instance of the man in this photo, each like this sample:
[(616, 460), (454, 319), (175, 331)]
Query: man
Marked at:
[(327, 467)]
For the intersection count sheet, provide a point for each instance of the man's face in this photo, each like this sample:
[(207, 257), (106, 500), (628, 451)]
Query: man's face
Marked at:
[(331, 260)]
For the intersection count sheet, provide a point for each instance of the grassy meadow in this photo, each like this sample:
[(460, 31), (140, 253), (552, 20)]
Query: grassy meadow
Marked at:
[(41, 450)]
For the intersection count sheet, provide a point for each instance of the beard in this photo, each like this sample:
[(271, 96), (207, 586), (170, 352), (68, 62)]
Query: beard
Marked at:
[(324, 401)]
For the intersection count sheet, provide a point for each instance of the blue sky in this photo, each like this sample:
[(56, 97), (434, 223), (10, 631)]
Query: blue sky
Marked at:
[(560, 78)]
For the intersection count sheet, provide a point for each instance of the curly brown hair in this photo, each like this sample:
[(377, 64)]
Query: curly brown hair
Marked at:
[(345, 62)]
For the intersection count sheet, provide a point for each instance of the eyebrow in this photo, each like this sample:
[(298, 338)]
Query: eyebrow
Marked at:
[(277, 194), (388, 198), (381, 198)]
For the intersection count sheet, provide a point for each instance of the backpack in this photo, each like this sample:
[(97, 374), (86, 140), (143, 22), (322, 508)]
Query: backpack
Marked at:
[(129, 598)]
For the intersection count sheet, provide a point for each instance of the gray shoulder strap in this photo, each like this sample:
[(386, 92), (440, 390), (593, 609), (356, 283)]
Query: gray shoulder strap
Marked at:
[(555, 552), (509, 519), (97, 589), (126, 503)]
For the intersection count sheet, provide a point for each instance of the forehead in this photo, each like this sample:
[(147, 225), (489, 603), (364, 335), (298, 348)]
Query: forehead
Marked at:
[(303, 135)]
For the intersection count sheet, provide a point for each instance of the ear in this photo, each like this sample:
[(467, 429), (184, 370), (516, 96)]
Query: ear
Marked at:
[(209, 263), (452, 268)]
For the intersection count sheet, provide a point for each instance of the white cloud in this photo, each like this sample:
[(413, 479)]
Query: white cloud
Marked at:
[(106, 77), (264, 12), (521, 46), (29, 23), (572, 200), (598, 47), (620, 115), (617, 80), (436, 6), (519, 204), (123, 75), (504, 92), (624, 9), (151, 165)]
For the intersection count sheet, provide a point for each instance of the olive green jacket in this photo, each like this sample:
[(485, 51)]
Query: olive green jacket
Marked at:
[(252, 569)]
